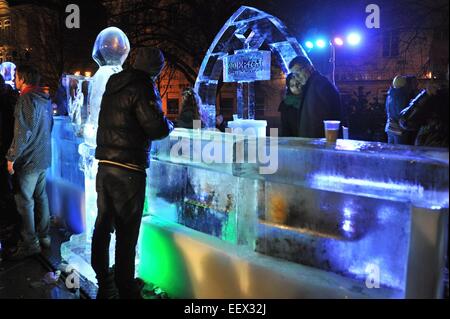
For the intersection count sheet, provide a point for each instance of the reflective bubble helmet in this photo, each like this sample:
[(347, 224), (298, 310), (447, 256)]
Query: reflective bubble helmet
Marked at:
[(111, 47), (8, 71)]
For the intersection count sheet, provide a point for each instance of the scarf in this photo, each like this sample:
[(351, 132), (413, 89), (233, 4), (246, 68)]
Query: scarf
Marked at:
[(293, 100), (30, 88)]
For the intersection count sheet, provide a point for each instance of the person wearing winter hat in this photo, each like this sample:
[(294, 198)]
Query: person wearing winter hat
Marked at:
[(131, 117), (149, 60)]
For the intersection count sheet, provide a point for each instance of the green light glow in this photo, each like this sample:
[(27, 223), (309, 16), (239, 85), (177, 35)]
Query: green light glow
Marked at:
[(229, 229), (146, 210), (161, 263)]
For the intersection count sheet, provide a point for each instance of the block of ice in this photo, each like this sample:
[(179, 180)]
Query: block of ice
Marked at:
[(8, 71), (347, 208), (247, 66)]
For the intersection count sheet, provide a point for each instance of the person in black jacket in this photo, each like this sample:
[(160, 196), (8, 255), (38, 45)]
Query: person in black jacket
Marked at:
[(320, 101), (190, 109), (9, 217), (60, 98), (289, 107), (429, 114), (130, 118), (8, 99)]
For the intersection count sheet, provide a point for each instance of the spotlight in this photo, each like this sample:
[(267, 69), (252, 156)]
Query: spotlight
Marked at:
[(354, 39), (338, 41), (321, 43), (309, 44)]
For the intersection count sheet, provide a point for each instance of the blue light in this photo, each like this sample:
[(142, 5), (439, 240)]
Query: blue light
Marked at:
[(347, 226), (354, 39), (348, 213), (321, 43), (323, 180), (309, 44)]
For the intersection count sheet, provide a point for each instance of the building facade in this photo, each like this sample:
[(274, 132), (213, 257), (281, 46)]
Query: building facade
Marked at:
[(6, 33), (29, 35), (16, 34)]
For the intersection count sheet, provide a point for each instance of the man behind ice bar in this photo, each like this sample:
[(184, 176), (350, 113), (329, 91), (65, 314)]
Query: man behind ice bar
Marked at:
[(130, 118), (320, 99)]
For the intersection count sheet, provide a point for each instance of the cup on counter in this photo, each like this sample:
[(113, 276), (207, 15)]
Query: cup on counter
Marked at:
[(331, 130), (345, 133)]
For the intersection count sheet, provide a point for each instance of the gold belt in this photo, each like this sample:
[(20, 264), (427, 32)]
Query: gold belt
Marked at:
[(124, 165)]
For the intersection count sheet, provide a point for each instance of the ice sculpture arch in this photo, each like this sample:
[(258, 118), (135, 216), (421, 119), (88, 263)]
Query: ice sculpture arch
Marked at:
[(248, 28)]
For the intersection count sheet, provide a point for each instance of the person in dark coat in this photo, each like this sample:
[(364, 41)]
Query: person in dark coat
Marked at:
[(320, 101), (402, 91), (9, 217), (429, 114), (60, 100), (130, 118), (8, 99), (190, 109), (289, 107), (220, 123)]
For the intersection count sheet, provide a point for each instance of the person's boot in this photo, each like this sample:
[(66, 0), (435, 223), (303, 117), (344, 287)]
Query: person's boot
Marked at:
[(25, 250), (132, 291), (45, 242), (107, 287)]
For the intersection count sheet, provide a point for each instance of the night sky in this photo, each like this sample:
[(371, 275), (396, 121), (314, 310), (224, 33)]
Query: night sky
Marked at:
[(304, 19), (78, 43)]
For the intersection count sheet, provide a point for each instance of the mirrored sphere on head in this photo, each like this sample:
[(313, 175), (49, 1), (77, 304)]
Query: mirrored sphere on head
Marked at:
[(8, 70), (111, 47)]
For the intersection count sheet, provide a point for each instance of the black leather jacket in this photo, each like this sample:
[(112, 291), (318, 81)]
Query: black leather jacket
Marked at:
[(130, 118), (428, 114)]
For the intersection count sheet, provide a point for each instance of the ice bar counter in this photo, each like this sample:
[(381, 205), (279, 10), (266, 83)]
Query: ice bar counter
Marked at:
[(347, 220)]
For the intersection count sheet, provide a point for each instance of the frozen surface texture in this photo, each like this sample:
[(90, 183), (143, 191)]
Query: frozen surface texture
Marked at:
[(347, 208)]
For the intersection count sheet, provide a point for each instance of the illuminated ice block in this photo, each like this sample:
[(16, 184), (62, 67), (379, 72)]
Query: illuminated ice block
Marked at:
[(370, 212), (77, 90), (247, 66), (252, 127), (8, 71), (65, 181)]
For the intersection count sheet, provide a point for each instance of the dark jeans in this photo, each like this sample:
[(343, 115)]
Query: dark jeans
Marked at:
[(407, 138), (120, 202), (32, 205)]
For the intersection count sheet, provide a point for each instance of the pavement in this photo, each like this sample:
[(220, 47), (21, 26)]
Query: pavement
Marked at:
[(37, 277)]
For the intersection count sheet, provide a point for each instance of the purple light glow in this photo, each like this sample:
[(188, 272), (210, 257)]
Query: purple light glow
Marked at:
[(338, 41)]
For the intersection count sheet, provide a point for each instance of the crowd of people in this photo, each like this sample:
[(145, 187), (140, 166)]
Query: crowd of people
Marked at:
[(130, 118)]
